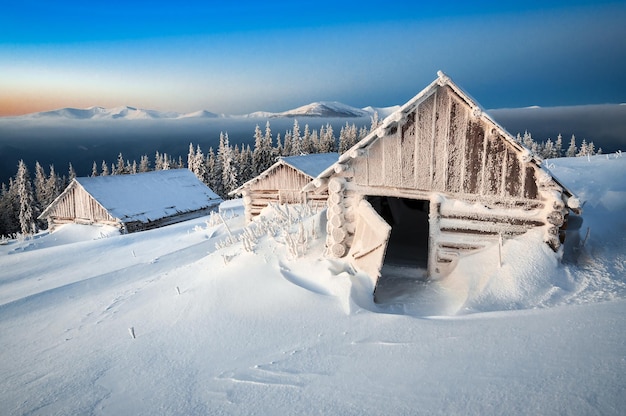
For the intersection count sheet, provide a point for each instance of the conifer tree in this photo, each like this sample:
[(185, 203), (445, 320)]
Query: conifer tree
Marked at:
[(53, 186), (558, 146), (94, 169), (144, 164), (571, 150), (287, 144), (40, 186), (71, 174), (307, 144), (315, 142), (583, 151), (296, 140), (26, 200), (278, 150), (375, 122), (229, 172), (214, 178), (105, 168), (120, 168), (8, 219), (327, 141), (245, 165), (191, 158)]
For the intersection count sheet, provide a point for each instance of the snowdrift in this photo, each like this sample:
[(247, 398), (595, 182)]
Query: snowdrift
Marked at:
[(211, 316)]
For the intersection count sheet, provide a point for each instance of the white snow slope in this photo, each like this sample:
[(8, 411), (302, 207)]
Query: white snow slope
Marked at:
[(264, 325)]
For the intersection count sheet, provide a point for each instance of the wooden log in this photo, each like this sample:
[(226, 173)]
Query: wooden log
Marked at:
[(338, 234), (335, 210), (556, 218), (336, 185), (334, 198), (336, 221), (338, 250)]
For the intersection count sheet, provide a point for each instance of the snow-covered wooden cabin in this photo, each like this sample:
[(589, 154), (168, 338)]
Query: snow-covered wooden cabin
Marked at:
[(437, 180), (133, 202), (283, 182)]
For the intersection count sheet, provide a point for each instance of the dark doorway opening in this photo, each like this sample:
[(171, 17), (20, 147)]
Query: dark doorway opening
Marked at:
[(406, 259)]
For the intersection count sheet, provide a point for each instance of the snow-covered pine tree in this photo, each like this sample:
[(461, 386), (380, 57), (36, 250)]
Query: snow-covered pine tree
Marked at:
[(26, 200), (214, 174), (8, 219), (268, 147), (558, 146), (260, 152), (315, 142), (229, 170), (105, 168), (191, 158), (158, 161), (144, 164), (307, 144), (245, 171), (287, 144), (40, 186), (167, 162), (583, 151), (120, 168), (343, 139), (199, 165), (571, 150), (278, 150), (134, 168), (94, 169), (327, 140), (591, 149), (53, 186), (375, 122), (296, 139), (547, 150), (527, 140), (71, 174)]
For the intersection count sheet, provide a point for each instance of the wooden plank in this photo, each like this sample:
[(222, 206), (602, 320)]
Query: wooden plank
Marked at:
[(473, 163), (423, 143), (375, 163), (530, 184), (407, 149), (392, 168), (494, 156), (442, 122), (456, 146), (513, 176)]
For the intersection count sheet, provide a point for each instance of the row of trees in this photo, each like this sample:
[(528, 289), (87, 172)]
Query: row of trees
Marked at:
[(223, 169), (552, 150)]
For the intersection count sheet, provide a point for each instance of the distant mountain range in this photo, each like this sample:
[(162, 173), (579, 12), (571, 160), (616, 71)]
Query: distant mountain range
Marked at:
[(327, 109)]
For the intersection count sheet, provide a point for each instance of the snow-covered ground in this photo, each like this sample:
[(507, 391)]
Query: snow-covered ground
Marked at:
[(234, 320)]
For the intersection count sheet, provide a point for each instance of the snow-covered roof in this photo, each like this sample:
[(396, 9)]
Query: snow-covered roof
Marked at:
[(310, 165), (313, 164), (149, 196)]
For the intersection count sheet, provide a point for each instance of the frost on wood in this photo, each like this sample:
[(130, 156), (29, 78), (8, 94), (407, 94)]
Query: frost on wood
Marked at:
[(441, 149)]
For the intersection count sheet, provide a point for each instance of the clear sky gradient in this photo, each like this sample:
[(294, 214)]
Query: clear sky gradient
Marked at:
[(239, 57)]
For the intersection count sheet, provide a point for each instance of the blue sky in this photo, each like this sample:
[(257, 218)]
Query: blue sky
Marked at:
[(245, 56)]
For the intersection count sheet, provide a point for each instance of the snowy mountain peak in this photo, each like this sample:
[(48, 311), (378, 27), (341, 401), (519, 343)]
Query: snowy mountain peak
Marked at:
[(325, 109)]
